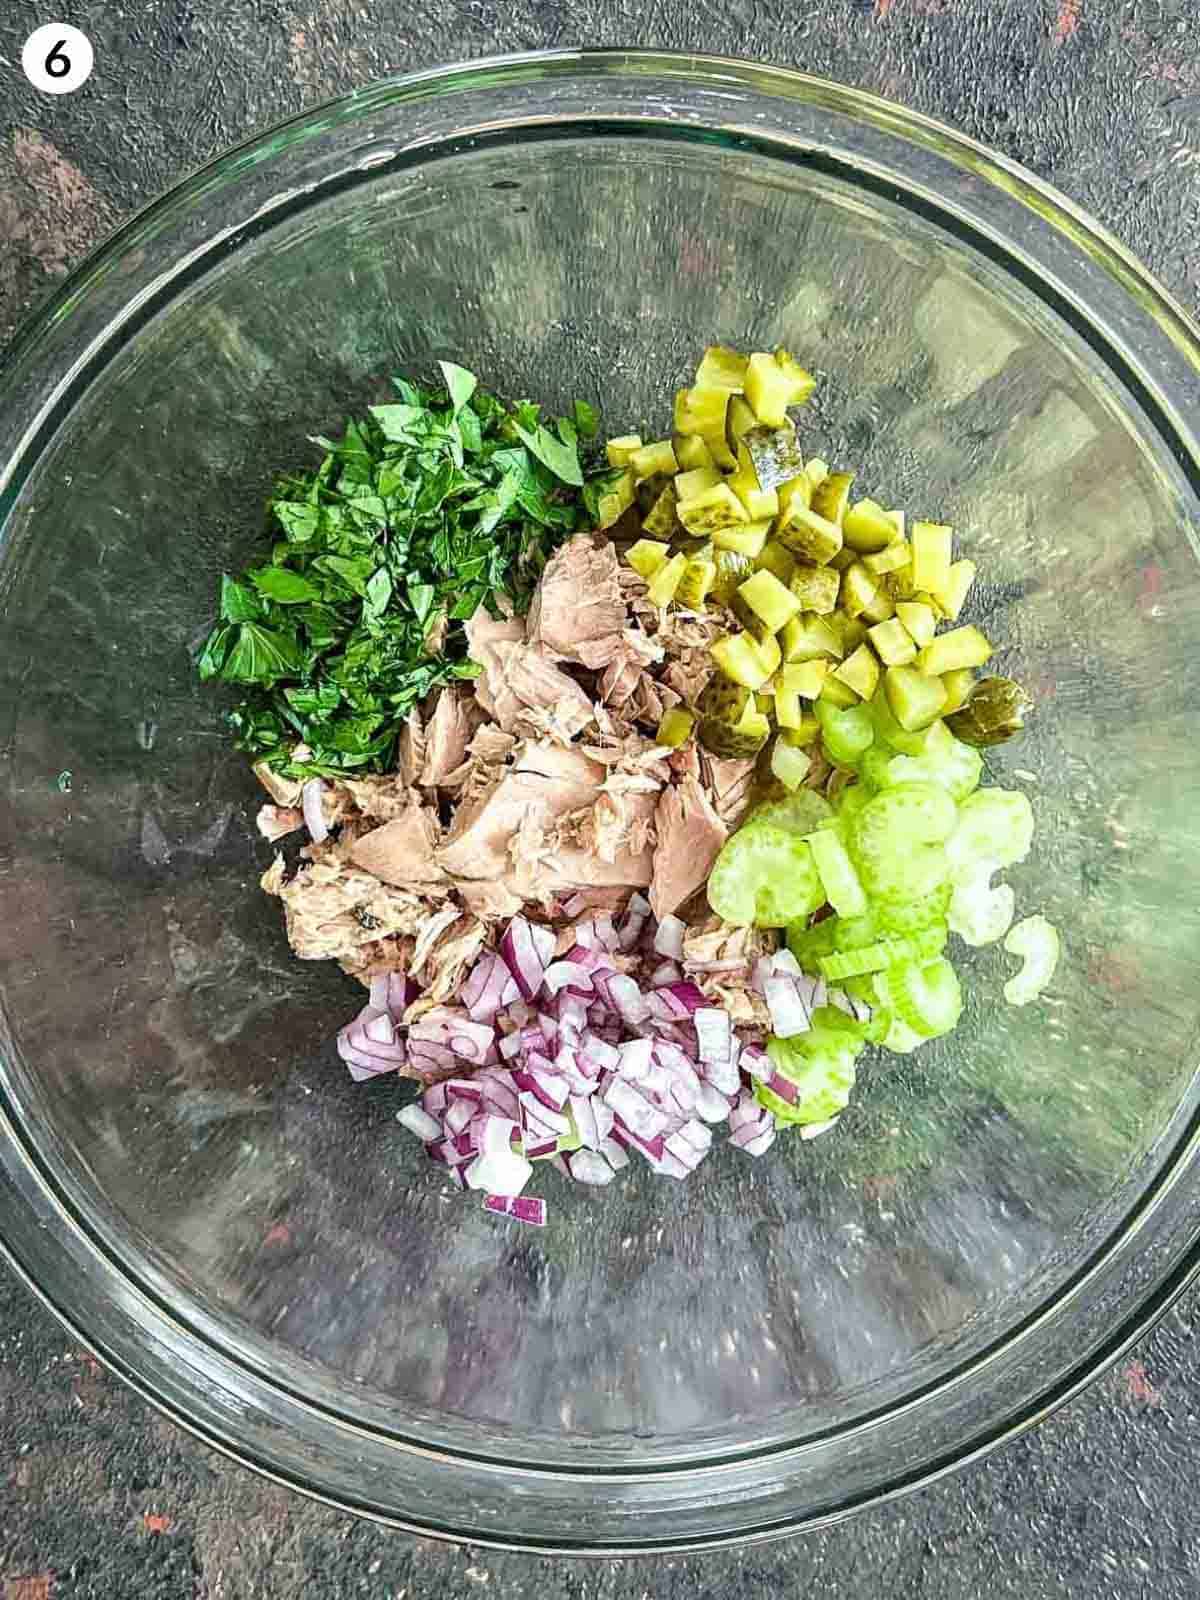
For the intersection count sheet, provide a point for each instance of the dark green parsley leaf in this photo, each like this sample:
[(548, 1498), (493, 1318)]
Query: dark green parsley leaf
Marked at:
[(421, 597), (587, 420), (260, 655), (299, 522), (239, 603), (379, 592)]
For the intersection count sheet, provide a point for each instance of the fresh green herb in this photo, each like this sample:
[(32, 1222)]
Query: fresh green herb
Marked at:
[(436, 503), (64, 782)]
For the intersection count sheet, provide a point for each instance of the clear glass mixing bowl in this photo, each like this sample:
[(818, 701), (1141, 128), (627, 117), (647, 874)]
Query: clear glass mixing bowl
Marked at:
[(186, 1173)]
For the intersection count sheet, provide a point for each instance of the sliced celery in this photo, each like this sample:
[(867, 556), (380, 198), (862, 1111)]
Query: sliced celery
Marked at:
[(766, 876), (843, 888), (1037, 943), (993, 825), (846, 732), (979, 913), (928, 999)]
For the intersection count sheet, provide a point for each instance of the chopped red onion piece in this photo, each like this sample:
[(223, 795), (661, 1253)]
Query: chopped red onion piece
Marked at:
[(711, 1104), (635, 1111), (379, 992), (510, 1046), (456, 1177), (814, 1130), (417, 1121), (464, 1089), (668, 941), (402, 991), (785, 962), (820, 994), (538, 1116), (635, 920), (311, 799), (535, 1150), (614, 1153), (549, 1086), (761, 1143), (583, 1114), (671, 1166), (588, 1166), (784, 1088), (652, 1149), (522, 955), (714, 1035), (499, 1172), (789, 1015), (567, 974), (521, 1208), (484, 991), (677, 1001), (627, 998), (434, 1099), (755, 1062), (458, 1117), (635, 1057), (666, 972)]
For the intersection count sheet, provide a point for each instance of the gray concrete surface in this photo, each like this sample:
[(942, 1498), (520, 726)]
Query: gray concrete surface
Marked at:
[(99, 1497)]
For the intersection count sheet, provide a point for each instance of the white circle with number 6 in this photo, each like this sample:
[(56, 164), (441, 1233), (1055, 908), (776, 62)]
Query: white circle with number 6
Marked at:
[(57, 58)]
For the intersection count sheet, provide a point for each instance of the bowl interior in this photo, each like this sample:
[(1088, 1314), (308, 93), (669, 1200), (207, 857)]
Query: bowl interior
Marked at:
[(171, 1061)]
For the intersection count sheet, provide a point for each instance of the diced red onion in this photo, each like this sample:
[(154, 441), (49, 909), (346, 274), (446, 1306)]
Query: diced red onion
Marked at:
[(785, 962), (814, 1130), (714, 1035), (499, 1172), (614, 1153), (567, 974), (458, 1117), (635, 920), (755, 1062), (483, 993), (522, 956), (634, 1057), (434, 1099), (666, 972), (311, 799), (784, 1088), (627, 999), (635, 1111), (521, 1208), (652, 1149), (588, 1166), (761, 1143), (464, 1089), (711, 1104), (789, 1015)]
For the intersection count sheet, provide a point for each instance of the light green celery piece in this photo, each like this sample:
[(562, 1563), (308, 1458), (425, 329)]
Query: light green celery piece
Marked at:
[(1037, 943), (843, 888), (764, 875), (980, 913), (993, 825)]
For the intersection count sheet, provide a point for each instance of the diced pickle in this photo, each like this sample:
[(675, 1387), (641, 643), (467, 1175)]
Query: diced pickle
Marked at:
[(620, 451), (788, 712), (649, 489), (918, 619), (661, 521), (891, 559), (899, 584), (714, 509), (746, 660), (747, 538), (647, 557), (796, 491), (722, 368), (866, 526), (893, 643), (732, 571), (613, 505), (739, 419), (958, 686), (953, 596), (844, 558), (961, 647), (653, 458), (691, 451), (859, 590), (802, 382), (723, 700), (676, 726), (805, 734), (777, 558), (832, 495), (808, 638), (913, 699), (738, 742), (696, 583), (931, 545), (804, 678), (775, 454), (816, 588), (837, 694), (769, 389), (769, 599), (860, 671), (817, 470), (995, 710), (809, 534), (789, 764), (850, 630), (759, 502), (666, 580), (702, 411), (688, 485), (750, 620)]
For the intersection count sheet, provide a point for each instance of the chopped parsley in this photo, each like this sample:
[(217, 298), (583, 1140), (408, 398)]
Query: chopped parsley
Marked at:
[(426, 509)]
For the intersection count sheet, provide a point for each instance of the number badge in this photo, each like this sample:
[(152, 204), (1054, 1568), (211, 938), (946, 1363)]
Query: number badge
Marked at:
[(57, 58)]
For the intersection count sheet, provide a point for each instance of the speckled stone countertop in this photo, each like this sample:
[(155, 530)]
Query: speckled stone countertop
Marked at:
[(101, 1498)]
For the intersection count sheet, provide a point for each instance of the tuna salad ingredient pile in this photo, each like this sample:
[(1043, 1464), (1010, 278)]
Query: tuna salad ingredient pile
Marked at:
[(642, 796)]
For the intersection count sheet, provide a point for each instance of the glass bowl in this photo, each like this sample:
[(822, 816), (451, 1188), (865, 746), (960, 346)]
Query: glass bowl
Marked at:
[(187, 1175)]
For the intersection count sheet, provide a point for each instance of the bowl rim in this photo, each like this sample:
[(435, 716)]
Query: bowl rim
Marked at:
[(1079, 229)]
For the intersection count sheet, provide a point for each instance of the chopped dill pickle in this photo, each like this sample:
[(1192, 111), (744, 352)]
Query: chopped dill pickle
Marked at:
[(661, 521), (796, 491), (697, 481), (654, 458), (702, 411), (816, 588), (961, 647), (696, 583), (919, 621), (859, 590), (691, 451), (831, 496), (748, 539), (860, 672), (750, 620), (723, 700), (738, 740), (745, 659), (666, 580), (646, 557), (804, 678), (952, 597), (809, 637), (722, 368), (892, 642), (676, 726), (837, 694), (913, 699), (620, 451), (850, 630), (759, 501), (866, 526), (809, 534), (958, 685), (613, 505), (773, 383), (769, 599), (931, 547), (778, 559), (732, 571), (805, 734), (891, 559), (712, 510)]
